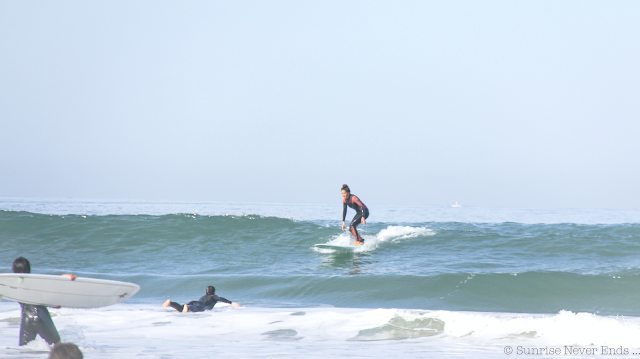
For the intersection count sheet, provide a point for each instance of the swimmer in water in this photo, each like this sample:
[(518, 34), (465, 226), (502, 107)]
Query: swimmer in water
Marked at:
[(206, 302), (362, 213), (35, 319)]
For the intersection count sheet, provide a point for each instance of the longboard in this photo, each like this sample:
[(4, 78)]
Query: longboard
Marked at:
[(337, 246), (55, 290)]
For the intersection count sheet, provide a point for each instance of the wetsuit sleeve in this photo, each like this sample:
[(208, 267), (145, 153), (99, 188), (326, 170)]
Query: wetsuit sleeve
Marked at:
[(359, 202), (344, 210), (223, 300)]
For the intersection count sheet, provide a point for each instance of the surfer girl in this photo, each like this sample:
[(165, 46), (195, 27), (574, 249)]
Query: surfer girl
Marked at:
[(206, 302), (35, 319), (362, 213)]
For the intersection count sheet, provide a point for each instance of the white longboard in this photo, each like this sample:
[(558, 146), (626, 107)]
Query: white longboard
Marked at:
[(337, 246), (55, 290)]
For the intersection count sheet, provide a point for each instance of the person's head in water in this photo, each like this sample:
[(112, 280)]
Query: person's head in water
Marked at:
[(21, 265), (346, 192), (65, 351), (211, 290)]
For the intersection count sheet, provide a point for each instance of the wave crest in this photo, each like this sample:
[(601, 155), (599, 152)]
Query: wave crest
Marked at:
[(395, 233)]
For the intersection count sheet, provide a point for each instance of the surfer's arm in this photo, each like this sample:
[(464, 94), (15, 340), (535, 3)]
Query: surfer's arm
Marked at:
[(224, 300), (359, 202), (344, 211)]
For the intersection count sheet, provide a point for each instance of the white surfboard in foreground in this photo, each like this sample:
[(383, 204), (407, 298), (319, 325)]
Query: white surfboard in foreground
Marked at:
[(55, 290)]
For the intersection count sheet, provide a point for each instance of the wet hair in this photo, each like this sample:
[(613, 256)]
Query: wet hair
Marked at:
[(211, 290), (345, 188), (21, 265), (65, 351)]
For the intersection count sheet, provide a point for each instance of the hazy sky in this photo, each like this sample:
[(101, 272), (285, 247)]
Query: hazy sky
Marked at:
[(489, 103)]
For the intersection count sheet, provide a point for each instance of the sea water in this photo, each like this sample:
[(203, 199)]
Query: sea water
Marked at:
[(430, 282)]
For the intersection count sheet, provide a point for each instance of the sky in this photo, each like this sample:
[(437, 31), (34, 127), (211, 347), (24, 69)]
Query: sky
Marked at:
[(524, 104)]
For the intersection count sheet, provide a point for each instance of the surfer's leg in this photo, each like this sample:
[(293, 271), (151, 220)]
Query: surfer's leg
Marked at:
[(173, 305), (28, 324), (354, 232), (27, 334), (195, 306), (46, 328), (365, 214), (352, 228)]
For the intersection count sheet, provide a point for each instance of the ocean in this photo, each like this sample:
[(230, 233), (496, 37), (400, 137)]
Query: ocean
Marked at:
[(430, 282)]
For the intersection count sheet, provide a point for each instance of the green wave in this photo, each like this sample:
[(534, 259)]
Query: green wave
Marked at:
[(507, 267)]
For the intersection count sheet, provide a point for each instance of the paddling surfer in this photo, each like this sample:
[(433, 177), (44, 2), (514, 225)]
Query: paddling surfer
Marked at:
[(362, 213), (35, 319), (206, 302)]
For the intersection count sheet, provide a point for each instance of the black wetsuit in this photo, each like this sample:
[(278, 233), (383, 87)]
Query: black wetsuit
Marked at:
[(36, 320), (361, 211), (205, 303)]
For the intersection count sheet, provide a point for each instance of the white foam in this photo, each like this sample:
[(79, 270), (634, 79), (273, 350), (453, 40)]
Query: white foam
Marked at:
[(389, 234), (150, 331), (564, 328), (396, 233)]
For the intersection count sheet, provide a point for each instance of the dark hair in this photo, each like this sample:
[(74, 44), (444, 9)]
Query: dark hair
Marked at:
[(211, 290), (21, 265), (65, 351), (345, 187)]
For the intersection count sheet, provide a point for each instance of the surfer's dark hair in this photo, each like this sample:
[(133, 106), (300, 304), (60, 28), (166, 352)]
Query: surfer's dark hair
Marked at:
[(21, 265), (211, 290), (65, 351), (345, 188)]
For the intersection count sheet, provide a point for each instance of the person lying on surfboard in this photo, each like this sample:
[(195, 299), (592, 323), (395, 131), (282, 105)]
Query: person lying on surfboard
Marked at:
[(35, 319), (206, 302), (362, 213)]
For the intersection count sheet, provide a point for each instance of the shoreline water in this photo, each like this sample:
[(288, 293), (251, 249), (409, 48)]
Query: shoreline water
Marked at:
[(145, 331)]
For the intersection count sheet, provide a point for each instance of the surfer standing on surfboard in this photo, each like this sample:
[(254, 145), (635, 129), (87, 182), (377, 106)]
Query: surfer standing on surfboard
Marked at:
[(36, 319), (362, 213)]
